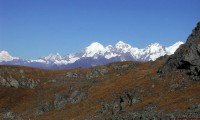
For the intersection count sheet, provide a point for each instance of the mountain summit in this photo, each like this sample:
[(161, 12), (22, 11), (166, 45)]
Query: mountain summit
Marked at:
[(94, 54), (5, 56)]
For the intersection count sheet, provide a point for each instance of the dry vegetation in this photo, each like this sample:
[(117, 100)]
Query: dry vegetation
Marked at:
[(141, 79)]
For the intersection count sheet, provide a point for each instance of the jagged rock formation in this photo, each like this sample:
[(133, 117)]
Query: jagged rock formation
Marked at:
[(187, 57)]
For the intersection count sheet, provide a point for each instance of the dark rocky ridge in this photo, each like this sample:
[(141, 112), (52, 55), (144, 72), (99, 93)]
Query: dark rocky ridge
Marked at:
[(187, 57)]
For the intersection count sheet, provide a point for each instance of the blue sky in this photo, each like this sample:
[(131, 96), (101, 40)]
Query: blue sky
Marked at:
[(34, 28)]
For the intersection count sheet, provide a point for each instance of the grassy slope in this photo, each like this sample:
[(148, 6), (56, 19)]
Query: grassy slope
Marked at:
[(24, 101)]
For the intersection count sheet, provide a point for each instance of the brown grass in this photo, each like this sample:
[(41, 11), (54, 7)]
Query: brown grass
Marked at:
[(107, 89)]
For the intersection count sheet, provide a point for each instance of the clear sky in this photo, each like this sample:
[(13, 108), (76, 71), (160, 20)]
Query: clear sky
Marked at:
[(34, 28)]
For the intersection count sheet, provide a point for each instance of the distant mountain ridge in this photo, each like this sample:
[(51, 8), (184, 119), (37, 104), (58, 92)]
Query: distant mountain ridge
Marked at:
[(94, 54)]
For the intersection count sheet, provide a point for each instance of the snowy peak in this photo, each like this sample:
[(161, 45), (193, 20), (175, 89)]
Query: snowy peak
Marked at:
[(171, 49), (152, 52), (153, 48), (53, 57), (123, 47), (5, 56), (96, 53), (110, 48), (93, 49)]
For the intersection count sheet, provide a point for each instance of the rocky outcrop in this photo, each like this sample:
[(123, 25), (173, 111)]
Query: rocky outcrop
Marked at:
[(96, 72), (119, 104), (187, 57), (9, 115), (11, 82), (72, 75), (77, 96), (150, 112), (60, 101), (46, 107)]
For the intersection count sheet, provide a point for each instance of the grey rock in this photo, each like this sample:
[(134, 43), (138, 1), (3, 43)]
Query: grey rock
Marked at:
[(11, 82), (60, 101), (21, 71), (187, 57), (91, 75), (14, 83), (2, 81), (96, 72), (174, 86), (103, 71), (116, 107), (52, 81), (9, 115), (72, 75), (150, 107), (122, 67), (32, 83), (77, 96), (104, 108), (150, 113), (119, 104), (46, 107)]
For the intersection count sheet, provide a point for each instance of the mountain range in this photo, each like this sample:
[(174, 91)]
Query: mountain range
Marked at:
[(93, 55), (163, 89)]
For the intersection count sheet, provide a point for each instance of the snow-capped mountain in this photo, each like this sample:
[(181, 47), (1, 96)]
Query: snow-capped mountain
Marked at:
[(171, 49), (5, 56), (94, 54)]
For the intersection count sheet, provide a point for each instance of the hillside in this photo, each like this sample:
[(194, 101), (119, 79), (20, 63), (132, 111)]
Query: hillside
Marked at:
[(167, 88), (97, 93)]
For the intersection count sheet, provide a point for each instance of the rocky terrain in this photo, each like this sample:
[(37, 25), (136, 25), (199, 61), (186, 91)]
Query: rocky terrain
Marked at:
[(167, 88), (187, 57)]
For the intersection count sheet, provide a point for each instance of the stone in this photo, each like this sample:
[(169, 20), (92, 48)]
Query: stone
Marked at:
[(60, 101), (32, 83), (72, 75), (104, 108), (46, 107), (95, 73), (103, 71), (13, 83), (52, 81), (174, 86), (77, 96), (187, 57), (116, 108), (2, 81), (21, 71), (9, 115)]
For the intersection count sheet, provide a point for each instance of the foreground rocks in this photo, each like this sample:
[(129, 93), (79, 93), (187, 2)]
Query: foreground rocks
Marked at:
[(187, 57), (150, 113), (119, 104), (11, 82), (9, 115), (60, 101)]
